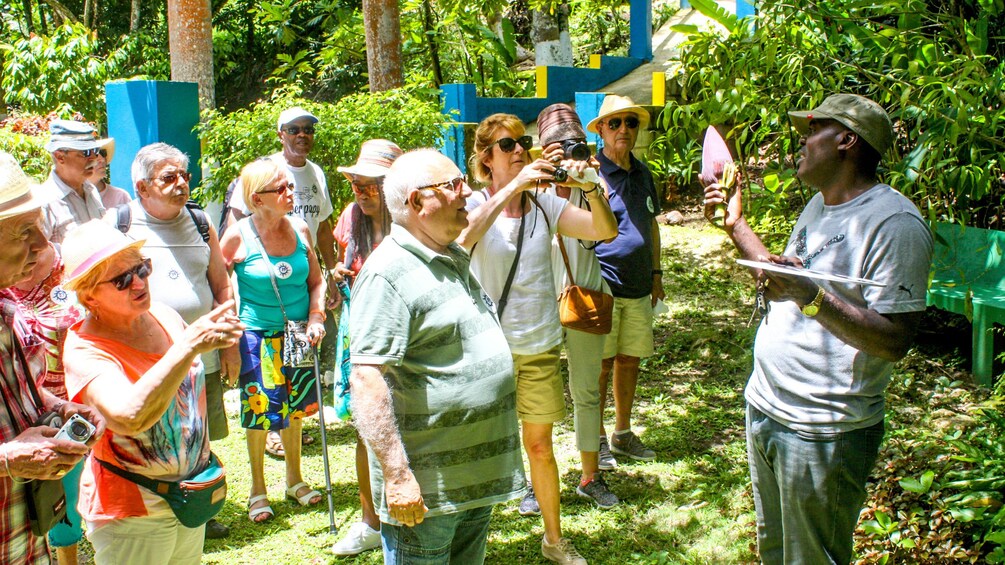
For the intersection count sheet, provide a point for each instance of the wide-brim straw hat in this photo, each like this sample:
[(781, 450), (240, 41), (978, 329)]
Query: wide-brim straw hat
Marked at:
[(18, 192), (70, 134), (89, 245), (614, 104), (375, 158)]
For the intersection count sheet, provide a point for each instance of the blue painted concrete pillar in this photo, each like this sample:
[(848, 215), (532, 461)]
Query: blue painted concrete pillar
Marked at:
[(588, 107), (141, 112), (745, 8), (460, 97), (640, 24)]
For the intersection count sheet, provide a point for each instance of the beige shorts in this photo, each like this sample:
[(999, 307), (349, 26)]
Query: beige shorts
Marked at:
[(540, 396), (632, 328)]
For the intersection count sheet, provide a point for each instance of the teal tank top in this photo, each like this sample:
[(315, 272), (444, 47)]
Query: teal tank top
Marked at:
[(259, 308)]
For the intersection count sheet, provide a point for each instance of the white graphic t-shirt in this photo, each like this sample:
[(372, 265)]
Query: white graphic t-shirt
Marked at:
[(311, 201)]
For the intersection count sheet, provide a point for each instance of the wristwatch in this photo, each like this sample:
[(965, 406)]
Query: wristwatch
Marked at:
[(813, 308)]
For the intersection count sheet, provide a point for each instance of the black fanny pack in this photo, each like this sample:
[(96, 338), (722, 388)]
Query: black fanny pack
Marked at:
[(194, 500)]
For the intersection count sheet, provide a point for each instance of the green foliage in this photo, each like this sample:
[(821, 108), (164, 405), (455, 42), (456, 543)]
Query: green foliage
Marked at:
[(232, 140), (29, 150), (934, 66), (938, 495), (67, 71)]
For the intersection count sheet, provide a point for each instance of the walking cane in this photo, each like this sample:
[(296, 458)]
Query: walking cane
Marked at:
[(324, 442)]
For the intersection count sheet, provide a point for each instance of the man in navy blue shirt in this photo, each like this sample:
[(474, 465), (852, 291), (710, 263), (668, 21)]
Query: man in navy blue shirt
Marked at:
[(631, 266)]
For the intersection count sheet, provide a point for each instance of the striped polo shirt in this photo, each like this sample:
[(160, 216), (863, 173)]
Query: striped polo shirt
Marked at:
[(425, 318)]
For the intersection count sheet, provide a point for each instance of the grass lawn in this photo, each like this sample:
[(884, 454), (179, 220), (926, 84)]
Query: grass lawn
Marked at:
[(691, 505)]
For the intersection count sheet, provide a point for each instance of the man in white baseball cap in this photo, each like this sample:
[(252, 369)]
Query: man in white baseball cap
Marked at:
[(72, 198)]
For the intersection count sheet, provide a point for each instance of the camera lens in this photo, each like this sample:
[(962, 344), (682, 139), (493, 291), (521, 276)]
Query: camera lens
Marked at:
[(78, 431), (560, 174), (576, 150)]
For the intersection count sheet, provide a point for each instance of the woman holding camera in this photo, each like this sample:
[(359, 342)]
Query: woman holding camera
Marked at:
[(278, 279), (511, 225), (138, 365)]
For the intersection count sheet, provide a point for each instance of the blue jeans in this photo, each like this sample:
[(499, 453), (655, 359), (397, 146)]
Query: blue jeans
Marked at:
[(452, 538), (808, 489)]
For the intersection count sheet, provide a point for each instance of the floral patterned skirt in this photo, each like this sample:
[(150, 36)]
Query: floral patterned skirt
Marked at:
[(271, 394)]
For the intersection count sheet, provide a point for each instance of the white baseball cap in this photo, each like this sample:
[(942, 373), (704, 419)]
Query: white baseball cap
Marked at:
[(293, 114)]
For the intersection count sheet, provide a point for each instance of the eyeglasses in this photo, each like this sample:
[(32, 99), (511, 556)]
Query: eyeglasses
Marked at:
[(103, 152), (125, 280), (508, 144), (282, 188), (630, 123), (295, 130), (87, 153), (172, 178), (456, 184), (368, 189)]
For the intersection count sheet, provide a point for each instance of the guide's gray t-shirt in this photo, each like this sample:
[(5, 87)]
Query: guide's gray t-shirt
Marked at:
[(804, 376)]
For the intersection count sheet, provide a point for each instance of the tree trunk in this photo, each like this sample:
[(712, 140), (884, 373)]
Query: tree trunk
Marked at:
[(550, 32), (88, 11), (134, 15), (383, 44), (61, 13), (190, 36), (29, 25), (42, 25), (250, 22), (95, 20), (434, 46)]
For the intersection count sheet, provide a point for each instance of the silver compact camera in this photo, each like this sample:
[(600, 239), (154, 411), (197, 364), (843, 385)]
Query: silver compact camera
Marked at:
[(76, 429)]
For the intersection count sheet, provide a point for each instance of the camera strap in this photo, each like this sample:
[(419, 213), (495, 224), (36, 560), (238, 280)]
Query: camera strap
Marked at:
[(11, 371)]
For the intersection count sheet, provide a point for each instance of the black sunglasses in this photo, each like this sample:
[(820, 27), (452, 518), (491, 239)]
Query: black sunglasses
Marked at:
[(630, 123), (171, 178), (283, 188), (103, 152), (508, 144), (125, 280), (295, 130)]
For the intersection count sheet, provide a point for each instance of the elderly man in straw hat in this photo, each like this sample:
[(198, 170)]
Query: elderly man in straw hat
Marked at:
[(27, 450), (815, 397), (631, 266), (72, 198)]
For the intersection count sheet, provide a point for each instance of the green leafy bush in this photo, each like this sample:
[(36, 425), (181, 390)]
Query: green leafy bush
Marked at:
[(934, 65), (67, 70), (232, 140), (29, 150)]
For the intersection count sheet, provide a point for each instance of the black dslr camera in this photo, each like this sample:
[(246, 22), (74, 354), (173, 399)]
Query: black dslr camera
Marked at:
[(575, 149)]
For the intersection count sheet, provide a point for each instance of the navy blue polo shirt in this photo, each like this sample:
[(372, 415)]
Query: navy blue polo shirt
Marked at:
[(627, 262)]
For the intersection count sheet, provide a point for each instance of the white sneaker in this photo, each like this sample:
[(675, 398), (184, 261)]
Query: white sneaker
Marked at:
[(358, 539)]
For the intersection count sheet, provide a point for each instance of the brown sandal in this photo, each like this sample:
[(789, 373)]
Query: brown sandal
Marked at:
[(274, 445)]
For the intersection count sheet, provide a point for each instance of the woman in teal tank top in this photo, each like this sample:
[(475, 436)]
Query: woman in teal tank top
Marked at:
[(269, 245)]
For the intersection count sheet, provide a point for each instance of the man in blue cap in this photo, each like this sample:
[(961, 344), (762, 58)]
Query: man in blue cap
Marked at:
[(71, 198)]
